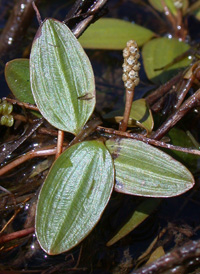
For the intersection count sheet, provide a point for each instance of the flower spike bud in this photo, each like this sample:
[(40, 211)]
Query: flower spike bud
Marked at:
[(130, 77), (131, 65)]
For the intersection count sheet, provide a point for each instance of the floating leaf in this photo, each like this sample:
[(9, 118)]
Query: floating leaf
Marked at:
[(140, 115), (161, 52), (140, 214), (144, 170), (74, 195), (109, 33), (62, 78), (170, 4), (17, 75)]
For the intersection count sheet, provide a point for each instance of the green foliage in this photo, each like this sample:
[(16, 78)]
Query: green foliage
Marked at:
[(80, 182), (17, 75), (147, 171), (74, 195), (62, 79), (109, 33), (161, 52)]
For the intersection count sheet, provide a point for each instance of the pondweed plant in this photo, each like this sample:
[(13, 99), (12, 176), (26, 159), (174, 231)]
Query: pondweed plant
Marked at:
[(81, 180)]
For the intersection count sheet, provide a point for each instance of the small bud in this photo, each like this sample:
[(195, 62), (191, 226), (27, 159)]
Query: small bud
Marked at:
[(3, 120), (137, 55), (124, 77), (131, 43), (129, 84), (126, 53), (136, 81), (4, 107), (10, 121), (133, 50), (136, 67), (133, 74), (131, 60), (126, 68)]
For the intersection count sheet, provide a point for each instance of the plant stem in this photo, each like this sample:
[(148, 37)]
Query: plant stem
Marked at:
[(147, 140), (21, 104), (16, 26), (31, 154), (129, 100), (190, 103), (95, 7), (88, 129), (16, 235), (177, 257), (59, 143), (162, 90)]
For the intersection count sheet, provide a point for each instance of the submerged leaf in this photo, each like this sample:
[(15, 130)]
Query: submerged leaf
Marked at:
[(170, 4), (17, 76), (141, 113), (110, 33), (61, 76), (180, 138), (161, 52), (158, 252), (144, 170), (140, 214), (140, 116), (74, 196)]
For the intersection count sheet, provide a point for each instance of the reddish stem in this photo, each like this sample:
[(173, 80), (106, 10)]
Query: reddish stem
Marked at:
[(129, 100), (16, 235), (59, 143)]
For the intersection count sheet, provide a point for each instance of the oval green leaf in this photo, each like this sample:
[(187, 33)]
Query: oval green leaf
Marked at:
[(62, 79), (159, 53), (17, 76), (109, 33), (144, 170), (74, 196), (139, 215)]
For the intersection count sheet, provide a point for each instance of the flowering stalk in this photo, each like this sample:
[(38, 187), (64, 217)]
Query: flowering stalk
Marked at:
[(130, 77)]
